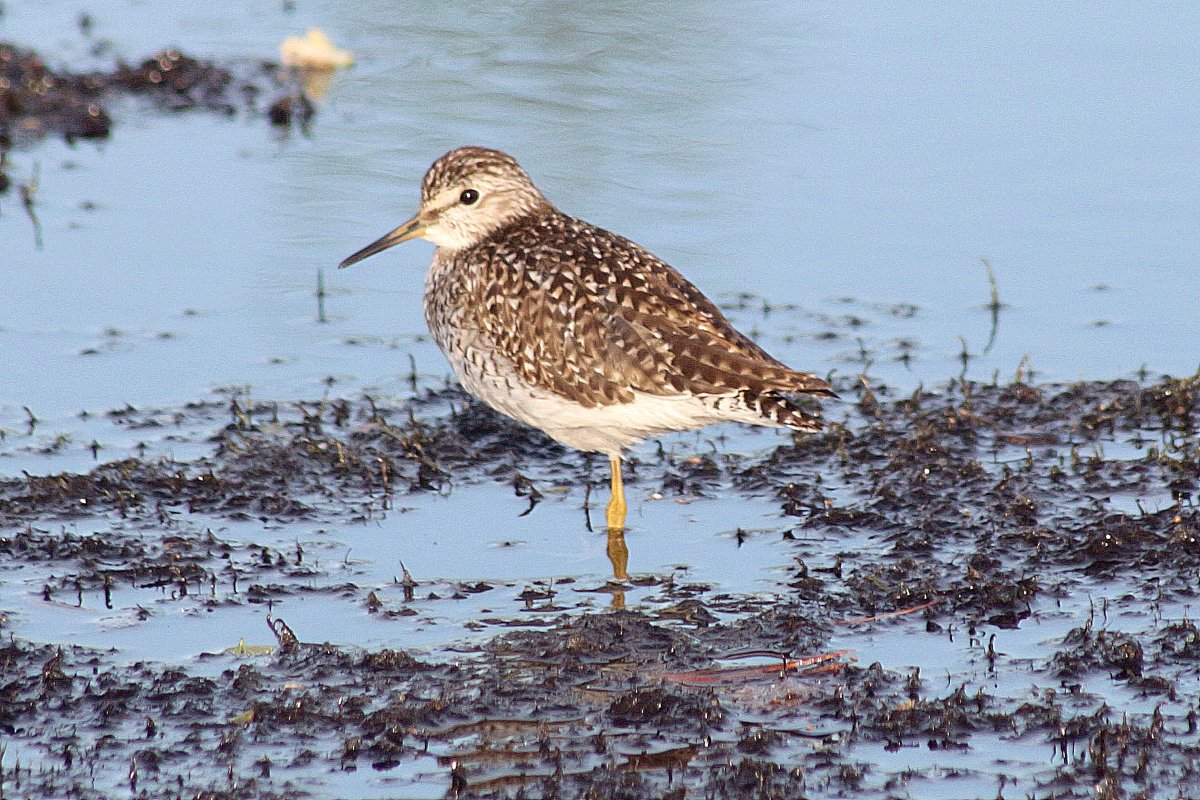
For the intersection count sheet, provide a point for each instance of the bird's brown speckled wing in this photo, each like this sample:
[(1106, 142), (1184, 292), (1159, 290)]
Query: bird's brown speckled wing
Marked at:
[(600, 318)]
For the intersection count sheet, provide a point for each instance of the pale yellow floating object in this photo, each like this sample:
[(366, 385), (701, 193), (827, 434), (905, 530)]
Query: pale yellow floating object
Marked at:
[(313, 51), (243, 650)]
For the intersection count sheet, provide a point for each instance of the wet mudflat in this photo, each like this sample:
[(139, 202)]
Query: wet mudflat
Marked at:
[(988, 593)]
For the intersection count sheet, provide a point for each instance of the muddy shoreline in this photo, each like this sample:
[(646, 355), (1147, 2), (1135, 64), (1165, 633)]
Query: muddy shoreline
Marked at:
[(992, 504)]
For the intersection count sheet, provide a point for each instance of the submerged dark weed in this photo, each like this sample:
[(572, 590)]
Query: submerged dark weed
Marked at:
[(956, 516)]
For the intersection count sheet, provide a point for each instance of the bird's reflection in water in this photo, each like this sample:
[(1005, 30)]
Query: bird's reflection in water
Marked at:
[(618, 554)]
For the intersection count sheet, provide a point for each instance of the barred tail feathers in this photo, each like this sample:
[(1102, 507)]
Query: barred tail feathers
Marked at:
[(776, 409), (771, 409)]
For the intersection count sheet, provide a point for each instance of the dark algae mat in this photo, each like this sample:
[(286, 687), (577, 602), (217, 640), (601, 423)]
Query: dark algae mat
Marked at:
[(964, 515)]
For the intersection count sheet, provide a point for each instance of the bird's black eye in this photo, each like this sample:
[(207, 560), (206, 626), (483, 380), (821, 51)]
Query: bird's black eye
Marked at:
[(468, 196)]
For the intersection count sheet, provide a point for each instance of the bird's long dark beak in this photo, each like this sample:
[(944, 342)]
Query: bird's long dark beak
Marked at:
[(413, 229)]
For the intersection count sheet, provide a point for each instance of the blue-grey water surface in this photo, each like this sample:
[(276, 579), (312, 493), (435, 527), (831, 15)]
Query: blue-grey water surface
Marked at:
[(802, 152)]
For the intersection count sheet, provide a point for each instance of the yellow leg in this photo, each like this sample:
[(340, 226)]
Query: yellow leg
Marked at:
[(618, 551), (616, 505)]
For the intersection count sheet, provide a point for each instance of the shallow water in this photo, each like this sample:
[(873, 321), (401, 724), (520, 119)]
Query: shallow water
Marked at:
[(800, 153), (834, 177)]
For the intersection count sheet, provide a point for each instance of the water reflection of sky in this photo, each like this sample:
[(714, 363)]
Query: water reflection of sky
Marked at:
[(803, 152)]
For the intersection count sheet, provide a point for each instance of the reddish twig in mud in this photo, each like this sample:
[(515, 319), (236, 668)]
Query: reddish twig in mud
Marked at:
[(887, 614), (724, 676)]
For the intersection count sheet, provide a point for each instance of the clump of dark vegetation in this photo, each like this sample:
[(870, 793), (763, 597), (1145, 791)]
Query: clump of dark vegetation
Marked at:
[(39, 100), (36, 100)]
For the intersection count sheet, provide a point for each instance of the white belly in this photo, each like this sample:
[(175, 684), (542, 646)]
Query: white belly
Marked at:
[(603, 429)]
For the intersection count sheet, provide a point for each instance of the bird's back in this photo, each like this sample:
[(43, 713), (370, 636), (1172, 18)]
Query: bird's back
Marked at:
[(597, 320)]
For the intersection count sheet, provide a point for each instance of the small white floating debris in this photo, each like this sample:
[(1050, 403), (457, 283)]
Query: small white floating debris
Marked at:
[(313, 51)]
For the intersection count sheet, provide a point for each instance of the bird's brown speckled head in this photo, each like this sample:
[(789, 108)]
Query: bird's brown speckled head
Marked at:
[(466, 195)]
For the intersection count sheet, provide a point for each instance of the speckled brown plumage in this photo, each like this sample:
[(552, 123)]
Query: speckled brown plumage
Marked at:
[(594, 318), (568, 327)]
